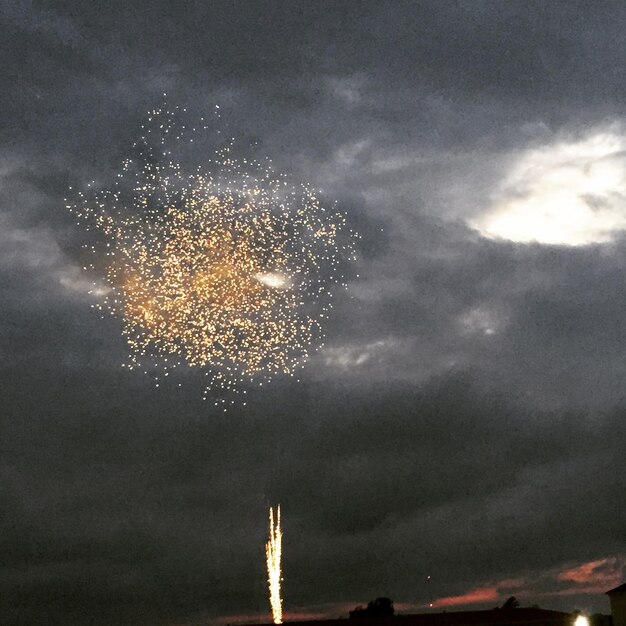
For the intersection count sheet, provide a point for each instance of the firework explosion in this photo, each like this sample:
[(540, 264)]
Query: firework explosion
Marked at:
[(273, 554), (227, 267)]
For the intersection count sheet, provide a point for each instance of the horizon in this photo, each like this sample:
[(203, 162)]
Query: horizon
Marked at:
[(330, 614)]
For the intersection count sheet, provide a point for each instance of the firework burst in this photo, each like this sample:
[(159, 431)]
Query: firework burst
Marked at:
[(227, 266)]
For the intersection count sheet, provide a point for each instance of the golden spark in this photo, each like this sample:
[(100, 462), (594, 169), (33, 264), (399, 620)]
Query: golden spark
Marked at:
[(273, 553), (226, 267)]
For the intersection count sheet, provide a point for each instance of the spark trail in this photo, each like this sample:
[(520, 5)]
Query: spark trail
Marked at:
[(273, 554)]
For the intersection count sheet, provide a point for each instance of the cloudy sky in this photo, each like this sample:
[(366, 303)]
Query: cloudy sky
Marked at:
[(466, 419)]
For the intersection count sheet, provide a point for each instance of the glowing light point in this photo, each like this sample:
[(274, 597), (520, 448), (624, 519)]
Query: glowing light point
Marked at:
[(276, 280), (581, 620), (273, 554)]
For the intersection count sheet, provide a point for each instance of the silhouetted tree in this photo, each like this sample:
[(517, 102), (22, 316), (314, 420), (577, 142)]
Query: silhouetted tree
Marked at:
[(381, 607), (511, 603)]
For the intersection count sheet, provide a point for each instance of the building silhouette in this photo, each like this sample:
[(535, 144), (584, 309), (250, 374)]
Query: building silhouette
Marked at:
[(617, 597)]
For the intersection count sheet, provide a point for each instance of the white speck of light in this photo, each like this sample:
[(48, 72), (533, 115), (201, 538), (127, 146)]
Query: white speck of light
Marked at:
[(275, 280)]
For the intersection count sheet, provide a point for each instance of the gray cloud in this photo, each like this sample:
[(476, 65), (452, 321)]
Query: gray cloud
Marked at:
[(466, 416)]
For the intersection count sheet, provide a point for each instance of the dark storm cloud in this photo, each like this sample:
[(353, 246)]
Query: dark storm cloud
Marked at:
[(163, 506), (465, 419), (546, 322), (500, 61)]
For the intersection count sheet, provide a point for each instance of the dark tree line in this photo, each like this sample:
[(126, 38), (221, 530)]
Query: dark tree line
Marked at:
[(381, 607)]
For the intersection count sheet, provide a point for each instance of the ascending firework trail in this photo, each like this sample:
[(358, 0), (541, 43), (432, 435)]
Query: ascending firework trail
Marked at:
[(273, 555)]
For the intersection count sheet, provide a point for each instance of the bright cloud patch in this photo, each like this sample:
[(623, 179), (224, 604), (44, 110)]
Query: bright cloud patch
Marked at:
[(479, 320), (474, 596), (346, 357), (567, 193), (600, 574)]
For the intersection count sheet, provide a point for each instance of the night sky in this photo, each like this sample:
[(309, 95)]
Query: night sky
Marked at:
[(466, 419)]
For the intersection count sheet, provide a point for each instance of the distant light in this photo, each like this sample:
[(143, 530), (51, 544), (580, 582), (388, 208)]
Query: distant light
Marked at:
[(581, 620)]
